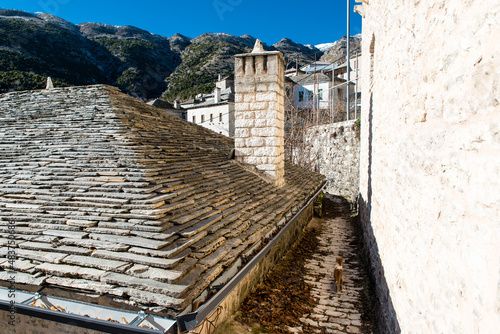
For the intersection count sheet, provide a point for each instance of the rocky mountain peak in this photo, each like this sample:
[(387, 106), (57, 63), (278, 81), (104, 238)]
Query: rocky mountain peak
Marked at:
[(337, 52)]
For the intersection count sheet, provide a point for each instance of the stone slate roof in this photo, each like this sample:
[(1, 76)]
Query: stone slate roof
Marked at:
[(119, 200)]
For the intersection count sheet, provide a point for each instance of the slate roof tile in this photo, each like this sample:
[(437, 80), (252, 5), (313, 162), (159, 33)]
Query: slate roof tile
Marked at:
[(113, 196)]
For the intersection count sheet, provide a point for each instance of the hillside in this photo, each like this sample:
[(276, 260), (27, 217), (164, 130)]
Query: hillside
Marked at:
[(294, 52), (211, 54), (336, 52), (145, 59), (207, 56), (144, 65), (33, 47)]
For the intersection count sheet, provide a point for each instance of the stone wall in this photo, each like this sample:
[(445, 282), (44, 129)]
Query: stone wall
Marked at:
[(430, 163), (335, 148)]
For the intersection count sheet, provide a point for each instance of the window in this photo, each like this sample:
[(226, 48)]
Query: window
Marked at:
[(309, 95), (202, 118), (301, 96), (320, 94), (194, 119), (220, 117), (211, 118)]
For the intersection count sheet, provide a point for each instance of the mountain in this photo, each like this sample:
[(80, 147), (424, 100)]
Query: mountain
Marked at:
[(179, 43), (145, 59), (203, 60), (294, 52), (142, 64), (33, 47), (325, 46), (336, 53), (212, 54)]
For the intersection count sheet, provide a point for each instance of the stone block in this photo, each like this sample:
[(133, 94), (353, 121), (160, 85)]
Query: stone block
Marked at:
[(266, 97), (273, 141), (238, 67), (238, 98), (259, 65), (248, 114), (244, 123), (249, 98), (268, 113), (255, 160), (239, 115), (259, 106), (241, 106), (250, 66), (267, 167), (270, 173), (246, 80), (239, 142), (243, 88), (254, 142), (272, 64), (262, 87), (274, 105), (275, 87), (274, 122), (263, 132), (266, 152), (245, 151), (241, 133), (261, 123), (238, 153)]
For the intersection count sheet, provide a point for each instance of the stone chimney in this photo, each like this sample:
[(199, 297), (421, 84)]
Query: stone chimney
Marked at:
[(176, 104), (217, 93), (49, 85), (259, 111)]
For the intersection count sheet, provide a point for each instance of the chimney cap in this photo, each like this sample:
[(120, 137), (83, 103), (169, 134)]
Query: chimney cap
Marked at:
[(258, 47)]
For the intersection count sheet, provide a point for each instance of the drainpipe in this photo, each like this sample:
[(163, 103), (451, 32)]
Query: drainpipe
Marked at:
[(191, 320), (22, 306), (356, 97), (348, 53)]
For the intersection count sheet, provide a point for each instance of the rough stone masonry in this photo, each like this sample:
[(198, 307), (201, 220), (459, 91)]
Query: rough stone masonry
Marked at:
[(259, 111), (430, 162)]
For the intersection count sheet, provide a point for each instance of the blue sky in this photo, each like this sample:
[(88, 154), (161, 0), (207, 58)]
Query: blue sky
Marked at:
[(306, 22)]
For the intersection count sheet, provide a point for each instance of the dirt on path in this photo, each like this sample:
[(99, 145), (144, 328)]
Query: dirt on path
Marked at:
[(298, 295)]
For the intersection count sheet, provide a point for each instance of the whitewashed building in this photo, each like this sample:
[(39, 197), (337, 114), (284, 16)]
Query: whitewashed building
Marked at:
[(214, 111), (314, 91)]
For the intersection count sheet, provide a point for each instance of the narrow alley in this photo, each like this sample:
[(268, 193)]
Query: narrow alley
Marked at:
[(348, 311), (298, 295)]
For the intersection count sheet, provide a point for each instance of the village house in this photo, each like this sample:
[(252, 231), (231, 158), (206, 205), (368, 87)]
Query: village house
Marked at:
[(172, 108), (322, 86), (315, 91), (214, 111), (114, 209)]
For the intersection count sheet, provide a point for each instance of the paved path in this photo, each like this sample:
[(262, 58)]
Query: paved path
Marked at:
[(349, 310)]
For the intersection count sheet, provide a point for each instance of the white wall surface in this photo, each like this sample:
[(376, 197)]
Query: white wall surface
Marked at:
[(430, 162)]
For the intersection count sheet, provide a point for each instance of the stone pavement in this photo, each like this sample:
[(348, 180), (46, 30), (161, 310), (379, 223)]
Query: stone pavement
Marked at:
[(348, 311)]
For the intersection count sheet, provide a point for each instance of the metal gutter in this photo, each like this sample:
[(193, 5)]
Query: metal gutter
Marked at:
[(190, 320), (23, 299)]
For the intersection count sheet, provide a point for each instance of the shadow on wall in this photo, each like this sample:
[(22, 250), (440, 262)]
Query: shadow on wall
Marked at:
[(386, 314)]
